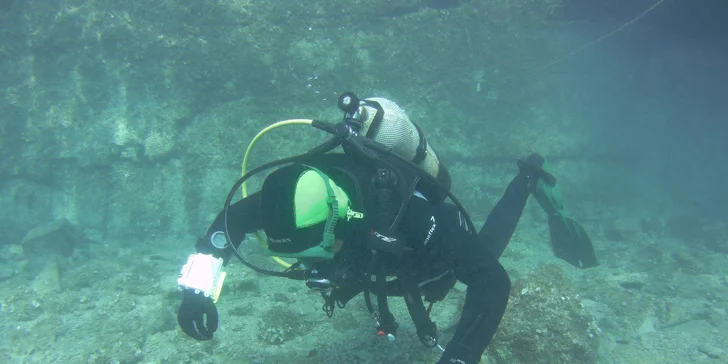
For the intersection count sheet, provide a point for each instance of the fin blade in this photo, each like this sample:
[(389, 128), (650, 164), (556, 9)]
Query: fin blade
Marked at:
[(570, 242)]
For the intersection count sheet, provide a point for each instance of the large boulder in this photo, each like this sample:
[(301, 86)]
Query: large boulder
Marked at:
[(57, 237), (545, 323)]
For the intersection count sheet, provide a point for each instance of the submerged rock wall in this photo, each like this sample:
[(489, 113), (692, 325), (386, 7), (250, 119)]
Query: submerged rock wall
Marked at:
[(130, 118)]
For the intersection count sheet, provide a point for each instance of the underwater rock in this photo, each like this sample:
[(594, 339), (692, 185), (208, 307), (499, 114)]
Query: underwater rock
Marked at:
[(631, 280), (48, 281), (545, 323), (711, 351), (158, 145), (6, 272), (687, 263), (57, 237), (281, 324)]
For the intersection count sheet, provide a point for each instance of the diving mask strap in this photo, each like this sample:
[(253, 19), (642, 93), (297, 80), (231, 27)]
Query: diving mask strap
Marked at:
[(328, 239)]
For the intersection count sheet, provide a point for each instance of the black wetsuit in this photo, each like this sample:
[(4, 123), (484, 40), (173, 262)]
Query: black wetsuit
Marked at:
[(442, 246)]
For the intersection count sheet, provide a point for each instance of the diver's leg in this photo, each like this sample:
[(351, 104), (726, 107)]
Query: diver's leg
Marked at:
[(503, 219)]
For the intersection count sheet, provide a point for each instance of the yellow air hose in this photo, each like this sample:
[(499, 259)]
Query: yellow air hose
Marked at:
[(244, 187)]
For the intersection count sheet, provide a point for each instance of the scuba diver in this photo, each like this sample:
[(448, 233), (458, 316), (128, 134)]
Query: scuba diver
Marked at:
[(376, 220)]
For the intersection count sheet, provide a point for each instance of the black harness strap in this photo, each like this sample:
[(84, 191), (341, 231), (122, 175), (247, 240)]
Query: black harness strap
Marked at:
[(387, 323), (384, 183), (374, 127), (426, 329), (329, 303), (421, 152)]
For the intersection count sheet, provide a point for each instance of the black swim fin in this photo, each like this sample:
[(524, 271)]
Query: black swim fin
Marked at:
[(569, 240)]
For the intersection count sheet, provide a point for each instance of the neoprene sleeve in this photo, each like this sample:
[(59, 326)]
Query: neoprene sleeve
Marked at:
[(243, 218)]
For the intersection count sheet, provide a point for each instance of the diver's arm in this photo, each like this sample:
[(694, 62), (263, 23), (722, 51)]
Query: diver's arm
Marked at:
[(485, 301), (243, 218), (202, 277)]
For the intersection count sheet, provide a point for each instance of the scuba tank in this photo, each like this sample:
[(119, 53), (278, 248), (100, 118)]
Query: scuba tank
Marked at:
[(384, 122)]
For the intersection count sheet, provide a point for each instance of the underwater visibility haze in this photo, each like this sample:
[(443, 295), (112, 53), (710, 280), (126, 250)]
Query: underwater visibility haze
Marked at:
[(124, 126)]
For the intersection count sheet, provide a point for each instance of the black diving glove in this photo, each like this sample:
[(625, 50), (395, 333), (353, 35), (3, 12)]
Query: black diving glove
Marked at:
[(191, 315)]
